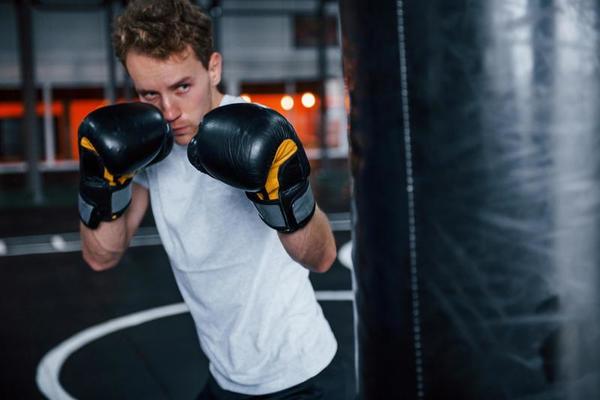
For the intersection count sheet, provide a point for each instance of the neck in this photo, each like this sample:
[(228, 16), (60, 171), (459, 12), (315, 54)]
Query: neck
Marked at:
[(216, 99)]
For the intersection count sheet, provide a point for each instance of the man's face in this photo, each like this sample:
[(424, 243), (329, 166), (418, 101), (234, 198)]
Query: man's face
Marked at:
[(179, 86)]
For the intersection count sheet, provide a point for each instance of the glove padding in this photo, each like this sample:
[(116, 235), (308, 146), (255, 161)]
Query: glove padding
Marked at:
[(114, 142), (256, 149)]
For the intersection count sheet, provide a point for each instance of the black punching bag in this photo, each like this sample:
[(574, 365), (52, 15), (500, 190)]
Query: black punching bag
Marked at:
[(475, 156)]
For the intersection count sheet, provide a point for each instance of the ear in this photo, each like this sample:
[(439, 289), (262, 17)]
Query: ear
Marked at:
[(214, 68)]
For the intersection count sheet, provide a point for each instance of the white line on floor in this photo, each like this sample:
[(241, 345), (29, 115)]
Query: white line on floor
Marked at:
[(48, 370), (49, 367)]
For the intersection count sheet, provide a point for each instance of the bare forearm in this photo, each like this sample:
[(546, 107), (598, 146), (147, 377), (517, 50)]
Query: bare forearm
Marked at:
[(313, 246), (103, 247)]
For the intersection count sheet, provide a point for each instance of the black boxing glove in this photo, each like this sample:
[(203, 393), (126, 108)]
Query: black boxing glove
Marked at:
[(114, 142), (256, 149)]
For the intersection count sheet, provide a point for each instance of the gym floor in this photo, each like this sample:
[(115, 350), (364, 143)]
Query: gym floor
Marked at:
[(124, 333)]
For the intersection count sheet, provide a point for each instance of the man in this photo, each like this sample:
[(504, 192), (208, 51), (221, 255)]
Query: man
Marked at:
[(245, 283)]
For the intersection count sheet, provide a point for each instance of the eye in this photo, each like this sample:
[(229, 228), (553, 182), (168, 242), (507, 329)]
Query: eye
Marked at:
[(149, 96), (184, 87)]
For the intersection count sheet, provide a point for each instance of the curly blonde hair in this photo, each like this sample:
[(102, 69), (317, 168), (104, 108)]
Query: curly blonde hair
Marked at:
[(160, 28)]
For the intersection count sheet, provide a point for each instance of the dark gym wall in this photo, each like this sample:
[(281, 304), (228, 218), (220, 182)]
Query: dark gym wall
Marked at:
[(497, 296)]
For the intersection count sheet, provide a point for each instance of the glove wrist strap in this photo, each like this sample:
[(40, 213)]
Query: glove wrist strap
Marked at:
[(109, 208), (288, 214)]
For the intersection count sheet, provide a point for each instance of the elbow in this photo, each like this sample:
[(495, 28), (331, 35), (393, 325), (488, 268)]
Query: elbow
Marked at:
[(99, 265), (326, 261)]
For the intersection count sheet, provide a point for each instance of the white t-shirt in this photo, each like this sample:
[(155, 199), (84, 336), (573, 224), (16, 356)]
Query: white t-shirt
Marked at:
[(254, 307)]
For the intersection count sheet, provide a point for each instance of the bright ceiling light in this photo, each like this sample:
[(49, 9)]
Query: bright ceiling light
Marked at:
[(308, 100), (287, 102)]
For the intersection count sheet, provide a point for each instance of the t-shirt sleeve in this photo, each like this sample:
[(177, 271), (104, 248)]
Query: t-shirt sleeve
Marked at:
[(141, 178)]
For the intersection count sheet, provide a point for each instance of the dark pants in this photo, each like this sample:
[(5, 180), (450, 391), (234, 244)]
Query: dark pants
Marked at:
[(307, 390)]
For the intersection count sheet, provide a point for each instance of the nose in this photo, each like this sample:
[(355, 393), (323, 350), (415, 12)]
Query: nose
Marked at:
[(171, 110)]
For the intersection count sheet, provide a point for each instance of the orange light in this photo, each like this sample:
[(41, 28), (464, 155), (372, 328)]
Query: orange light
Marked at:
[(308, 100), (246, 98), (287, 102)]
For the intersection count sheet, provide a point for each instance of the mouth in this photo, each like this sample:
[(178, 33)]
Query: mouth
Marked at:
[(178, 130)]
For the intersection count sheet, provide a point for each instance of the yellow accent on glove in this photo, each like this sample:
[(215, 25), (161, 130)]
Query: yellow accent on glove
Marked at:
[(85, 143), (113, 181), (110, 178), (286, 149)]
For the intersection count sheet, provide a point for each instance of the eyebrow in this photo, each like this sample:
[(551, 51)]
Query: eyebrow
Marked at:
[(180, 82)]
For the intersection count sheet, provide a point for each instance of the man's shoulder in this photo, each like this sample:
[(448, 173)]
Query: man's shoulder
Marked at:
[(229, 99)]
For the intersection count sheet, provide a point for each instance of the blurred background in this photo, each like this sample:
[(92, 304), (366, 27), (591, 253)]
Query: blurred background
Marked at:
[(57, 65)]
